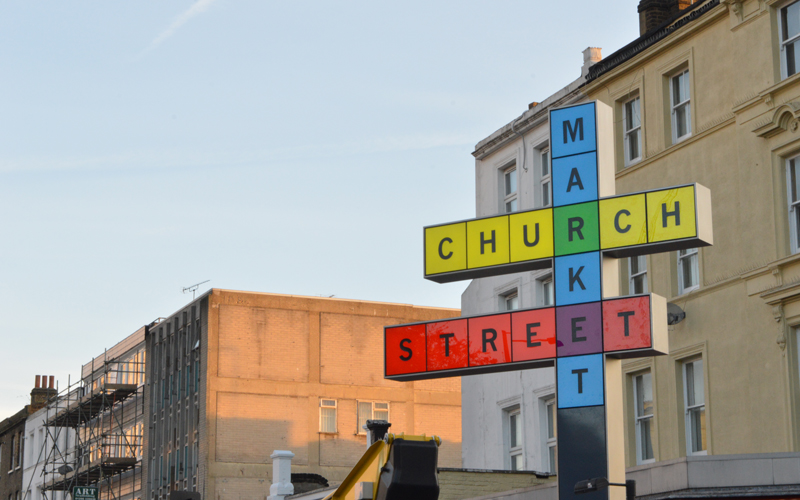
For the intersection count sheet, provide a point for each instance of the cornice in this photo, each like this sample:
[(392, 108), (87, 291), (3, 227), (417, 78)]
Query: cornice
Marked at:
[(713, 15)]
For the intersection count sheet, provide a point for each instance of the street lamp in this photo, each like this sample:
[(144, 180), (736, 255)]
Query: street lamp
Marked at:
[(599, 483)]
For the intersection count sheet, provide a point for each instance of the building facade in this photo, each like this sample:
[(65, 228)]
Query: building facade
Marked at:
[(94, 429), (37, 440), (707, 94), (12, 447), (234, 376)]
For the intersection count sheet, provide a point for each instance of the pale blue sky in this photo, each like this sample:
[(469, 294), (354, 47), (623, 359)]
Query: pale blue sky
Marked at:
[(289, 147)]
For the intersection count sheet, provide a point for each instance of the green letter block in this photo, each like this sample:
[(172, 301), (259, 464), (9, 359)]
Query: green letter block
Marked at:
[(576, 229)]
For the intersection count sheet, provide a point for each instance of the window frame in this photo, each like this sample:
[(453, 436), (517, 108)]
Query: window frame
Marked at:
[(626, 133), (688, 410), (544, 183), (639, 274), (510, 197), (511, 296), (783, 43), (691, 252), (514, 414), (793, 207), (551, 442), (543, 284), (638, 419), (363, 432), (335, 408), (674, 106)]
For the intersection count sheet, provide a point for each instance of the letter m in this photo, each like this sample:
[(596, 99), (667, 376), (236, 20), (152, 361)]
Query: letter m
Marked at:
[(573, 132)]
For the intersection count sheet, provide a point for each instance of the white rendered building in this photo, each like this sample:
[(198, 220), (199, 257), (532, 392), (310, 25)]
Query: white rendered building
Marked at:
[(508, 419)]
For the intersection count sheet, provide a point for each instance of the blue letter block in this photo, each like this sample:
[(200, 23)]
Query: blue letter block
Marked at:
[(577, 278), (572, 130), (575, 179), (580, 381)]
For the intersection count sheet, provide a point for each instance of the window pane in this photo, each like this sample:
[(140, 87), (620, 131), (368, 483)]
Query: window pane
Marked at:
[(511, 206), (639, 285), (684, 79), (791, 20), (645, 395), (512, 302), (551, 431), (545, 194), (681, 121), (676, 90), (797, 220), (516, 462), (689, 271), (381, 415), (699, 390), (381, 406), (545, 164), (795, 179), (698, 429), (689, 385), (547, 291), (646, 438), (633, 145), (511, 181), (514, 431), (552, 453), (632, 118), (638, 264), (327, 420)]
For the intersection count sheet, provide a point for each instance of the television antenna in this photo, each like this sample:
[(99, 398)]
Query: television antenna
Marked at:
[(193, 288)]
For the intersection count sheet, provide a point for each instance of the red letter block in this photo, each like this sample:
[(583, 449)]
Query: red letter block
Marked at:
[(490, 340), (447, 345), (405, 349), (534, 334), (626, 324)]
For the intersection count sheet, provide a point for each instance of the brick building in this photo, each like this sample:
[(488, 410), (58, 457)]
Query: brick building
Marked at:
[(235, 375), (12, 440)]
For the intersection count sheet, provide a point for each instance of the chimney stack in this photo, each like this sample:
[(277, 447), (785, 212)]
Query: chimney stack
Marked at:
[(654, 13), (41, 393), (591, 56)]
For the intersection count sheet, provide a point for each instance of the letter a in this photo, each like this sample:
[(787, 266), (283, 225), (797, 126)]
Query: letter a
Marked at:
[(574, 180)]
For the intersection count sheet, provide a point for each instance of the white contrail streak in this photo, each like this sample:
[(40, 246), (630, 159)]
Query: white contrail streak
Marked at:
[(198, 8)]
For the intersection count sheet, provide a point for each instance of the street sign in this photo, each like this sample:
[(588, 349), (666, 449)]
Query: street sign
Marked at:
[(589, 330), (84, 493)]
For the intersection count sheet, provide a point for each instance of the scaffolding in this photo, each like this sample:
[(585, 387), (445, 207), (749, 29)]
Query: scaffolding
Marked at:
[(95, 430)]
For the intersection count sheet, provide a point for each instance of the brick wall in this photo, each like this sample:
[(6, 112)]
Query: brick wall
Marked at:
[(11, 476), (251, 426), (268, 359)]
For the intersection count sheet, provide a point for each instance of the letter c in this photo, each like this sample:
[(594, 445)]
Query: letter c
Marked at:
[(441, 253), (616, 222)]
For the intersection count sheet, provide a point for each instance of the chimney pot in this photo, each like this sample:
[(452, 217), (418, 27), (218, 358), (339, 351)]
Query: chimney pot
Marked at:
[(38, 377), (52, 381)]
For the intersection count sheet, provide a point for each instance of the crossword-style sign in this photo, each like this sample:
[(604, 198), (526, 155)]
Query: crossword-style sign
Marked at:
[(587, 332), (622, 327), (619, 226)]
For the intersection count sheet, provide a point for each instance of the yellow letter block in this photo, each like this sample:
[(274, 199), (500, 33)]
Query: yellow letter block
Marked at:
[(531, 235), (623, 221), (671, 214), (487, 242), (446, 248)]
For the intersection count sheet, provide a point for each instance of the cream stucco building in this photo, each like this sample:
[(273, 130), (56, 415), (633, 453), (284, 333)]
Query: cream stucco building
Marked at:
[(710, 95)]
